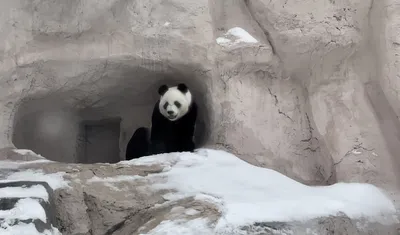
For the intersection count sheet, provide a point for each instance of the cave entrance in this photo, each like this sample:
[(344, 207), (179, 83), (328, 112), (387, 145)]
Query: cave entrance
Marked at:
[(101, 141), (93, 122)]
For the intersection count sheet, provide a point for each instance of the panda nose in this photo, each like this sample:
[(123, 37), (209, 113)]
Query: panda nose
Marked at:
[(170, 112)]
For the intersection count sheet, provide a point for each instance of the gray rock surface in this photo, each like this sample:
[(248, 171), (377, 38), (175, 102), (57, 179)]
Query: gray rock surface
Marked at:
[(336, 225), (316, 97), (119, 199), (121, 206)]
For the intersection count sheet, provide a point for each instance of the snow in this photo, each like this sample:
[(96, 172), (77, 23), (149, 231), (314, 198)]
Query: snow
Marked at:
[(28, 208), (191, 211), (24, 229), (240, 35), (246, 194), (197, 226), (222, 40), (24, 209), (37, 191), (165, 160), (7, 164), (55, 180), (27, 151), (243, 193), (17, 164)]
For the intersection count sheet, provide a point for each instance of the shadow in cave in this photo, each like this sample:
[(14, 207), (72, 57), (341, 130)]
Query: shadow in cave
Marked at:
[(62, 126)]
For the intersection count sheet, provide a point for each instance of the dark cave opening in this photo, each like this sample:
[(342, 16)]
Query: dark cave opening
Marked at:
[(61, 127), (99, 141)]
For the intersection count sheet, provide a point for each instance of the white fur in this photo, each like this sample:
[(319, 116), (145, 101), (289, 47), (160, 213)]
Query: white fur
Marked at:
[(172, 95)]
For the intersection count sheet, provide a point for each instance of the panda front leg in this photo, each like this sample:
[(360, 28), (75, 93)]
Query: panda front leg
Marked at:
[(158, 147)]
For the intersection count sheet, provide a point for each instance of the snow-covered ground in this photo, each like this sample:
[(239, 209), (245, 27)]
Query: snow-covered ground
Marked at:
[(247, 194), (55, 180), (244, 194)]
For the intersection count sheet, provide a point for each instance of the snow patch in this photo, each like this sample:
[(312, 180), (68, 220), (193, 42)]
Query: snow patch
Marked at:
[(27, 151), (209, 198), (244, 199), (16, 164), (167, 24), (234, 36), (242, 34), (191, 211), (181, 227), (24, 209), (222, 40), (37, 191), (55, 180), (158, 159), (25, 229), (356, 152)]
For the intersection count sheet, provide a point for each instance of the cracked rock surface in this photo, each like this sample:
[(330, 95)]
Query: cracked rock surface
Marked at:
[(315, 97)]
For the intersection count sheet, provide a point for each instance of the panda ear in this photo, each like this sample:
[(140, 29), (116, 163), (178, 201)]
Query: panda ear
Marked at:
[(182, 87), (162, 89)]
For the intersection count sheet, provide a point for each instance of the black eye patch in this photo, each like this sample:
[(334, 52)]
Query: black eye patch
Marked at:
[(165, 105), (177, 104)]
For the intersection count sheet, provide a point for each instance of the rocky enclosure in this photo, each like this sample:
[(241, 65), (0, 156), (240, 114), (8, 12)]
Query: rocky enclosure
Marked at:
[(315, 97), (156, 195)]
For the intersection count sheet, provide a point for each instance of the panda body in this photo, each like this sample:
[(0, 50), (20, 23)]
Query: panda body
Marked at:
[(172, 125), (173, 121)]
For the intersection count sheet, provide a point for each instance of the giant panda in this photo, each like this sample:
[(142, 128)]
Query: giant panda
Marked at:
[(172, 125)]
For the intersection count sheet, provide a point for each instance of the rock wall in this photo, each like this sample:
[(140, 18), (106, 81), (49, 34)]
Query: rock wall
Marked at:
[(312, 94)]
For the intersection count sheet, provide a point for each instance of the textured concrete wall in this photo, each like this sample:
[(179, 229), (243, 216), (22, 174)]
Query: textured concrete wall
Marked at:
[(306, 99)]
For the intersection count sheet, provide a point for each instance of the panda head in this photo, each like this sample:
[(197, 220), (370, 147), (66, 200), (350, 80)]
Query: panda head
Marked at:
[(175, 101)]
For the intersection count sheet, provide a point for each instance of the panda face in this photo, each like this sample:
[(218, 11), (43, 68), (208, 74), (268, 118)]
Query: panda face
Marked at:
[(174, 101)]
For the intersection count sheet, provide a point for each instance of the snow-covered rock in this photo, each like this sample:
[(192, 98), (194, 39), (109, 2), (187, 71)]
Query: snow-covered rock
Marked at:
[(206, 192), (27, 208)]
